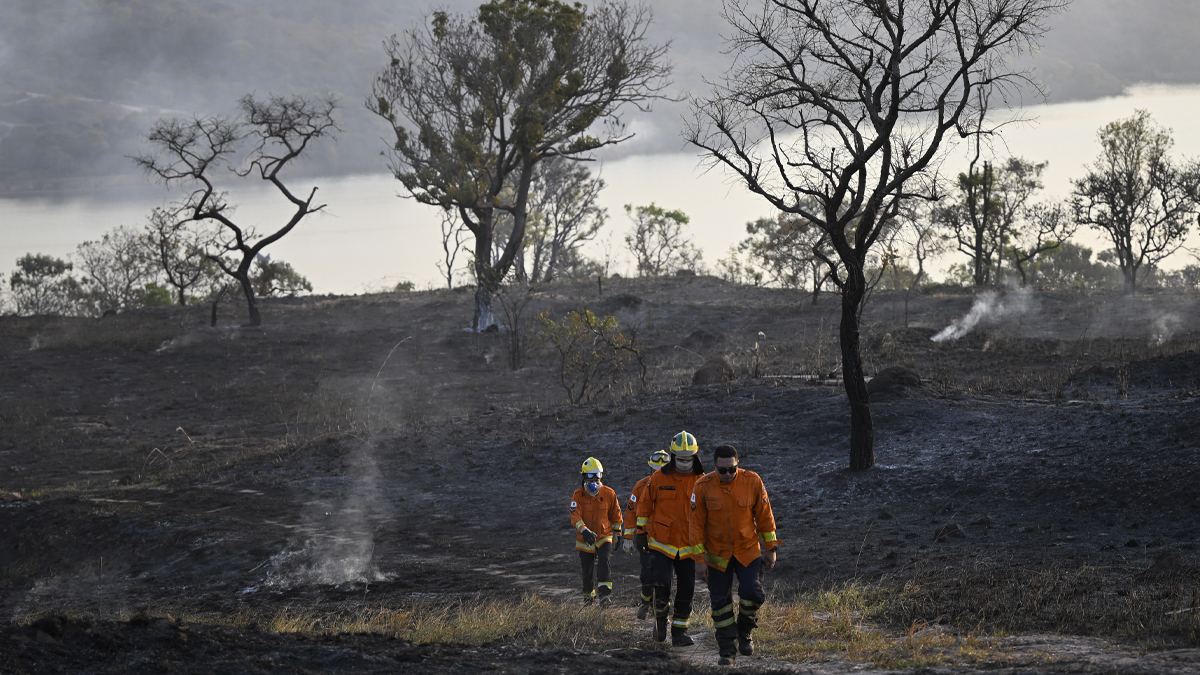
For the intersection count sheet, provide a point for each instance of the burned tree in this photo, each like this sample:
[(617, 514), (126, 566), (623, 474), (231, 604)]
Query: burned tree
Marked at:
[(1136, 195), (847, 105), (476, 103), (189, 152)]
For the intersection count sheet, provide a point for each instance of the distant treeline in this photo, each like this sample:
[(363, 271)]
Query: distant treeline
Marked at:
[(105, 70)]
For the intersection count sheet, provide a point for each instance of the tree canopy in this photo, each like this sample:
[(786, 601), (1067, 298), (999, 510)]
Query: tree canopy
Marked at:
[(475, 102)]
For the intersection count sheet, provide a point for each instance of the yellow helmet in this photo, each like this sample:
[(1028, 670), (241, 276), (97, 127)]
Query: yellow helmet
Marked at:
[(684, 445), (592, 466), (659, 459)]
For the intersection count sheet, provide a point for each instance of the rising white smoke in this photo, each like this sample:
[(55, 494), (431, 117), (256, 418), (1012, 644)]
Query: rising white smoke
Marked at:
[(1163, 327), (990, 308), (340, 543)]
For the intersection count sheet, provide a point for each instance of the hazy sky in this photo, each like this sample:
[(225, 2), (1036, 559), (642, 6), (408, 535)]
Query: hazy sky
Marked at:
[(370, 238)]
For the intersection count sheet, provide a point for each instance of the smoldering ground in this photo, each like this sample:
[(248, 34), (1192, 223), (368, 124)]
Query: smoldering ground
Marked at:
[(1012, 468)]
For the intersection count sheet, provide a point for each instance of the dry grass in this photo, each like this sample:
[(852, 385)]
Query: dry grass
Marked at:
[(838, 624), (951, 615), (532, 620), (1153, 608), (937, 617)]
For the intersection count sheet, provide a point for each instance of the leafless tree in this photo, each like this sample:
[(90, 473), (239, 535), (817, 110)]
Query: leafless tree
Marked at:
[(452, 241), (477, 102), (918, 238), (514, 297), (847, 105), (279, 130), (1137, 195)]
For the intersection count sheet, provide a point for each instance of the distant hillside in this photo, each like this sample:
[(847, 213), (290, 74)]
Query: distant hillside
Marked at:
[(101, 71), (1100, 47)]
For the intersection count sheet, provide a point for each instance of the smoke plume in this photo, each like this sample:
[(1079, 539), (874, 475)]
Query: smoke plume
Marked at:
[(340, 545), (1164, 327), (990, 308)]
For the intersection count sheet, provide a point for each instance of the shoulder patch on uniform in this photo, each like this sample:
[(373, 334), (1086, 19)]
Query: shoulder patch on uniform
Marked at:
[(633, 498), (574, 505)]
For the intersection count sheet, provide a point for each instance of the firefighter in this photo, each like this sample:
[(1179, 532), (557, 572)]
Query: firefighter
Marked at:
[(663, 533), (731, 515), (596, 516), (657, 461)]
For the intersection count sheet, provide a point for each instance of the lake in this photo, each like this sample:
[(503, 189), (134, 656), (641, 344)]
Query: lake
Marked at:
[(369, 238)]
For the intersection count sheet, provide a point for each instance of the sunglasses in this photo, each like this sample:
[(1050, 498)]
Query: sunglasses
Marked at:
[(727, 470)]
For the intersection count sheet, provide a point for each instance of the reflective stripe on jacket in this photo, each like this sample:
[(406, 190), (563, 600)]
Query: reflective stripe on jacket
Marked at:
[(730, 519), (664, 512), (600, 514), (639, 493)]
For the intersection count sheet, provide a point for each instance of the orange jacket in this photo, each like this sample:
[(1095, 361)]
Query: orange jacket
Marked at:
[(639, 493), (663, 513), (729, 519), (600, 514)]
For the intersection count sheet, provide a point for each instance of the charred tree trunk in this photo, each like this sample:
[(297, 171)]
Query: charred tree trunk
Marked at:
[(1130, 272), (480, 224), (217, 301), (980, 270), (251, 302), (862, 431)]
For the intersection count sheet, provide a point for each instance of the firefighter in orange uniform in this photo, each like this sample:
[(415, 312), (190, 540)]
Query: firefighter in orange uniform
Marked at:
[(731, 515), (658, 460), (596, 516), (664, 534)]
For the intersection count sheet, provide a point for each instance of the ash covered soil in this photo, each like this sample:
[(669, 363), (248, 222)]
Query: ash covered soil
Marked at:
[(165, 485)]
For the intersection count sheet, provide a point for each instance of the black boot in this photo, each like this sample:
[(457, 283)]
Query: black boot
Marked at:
[(643, 611), (745, 645), (680, 638), (660, 629), (745, 624), (726, 646)]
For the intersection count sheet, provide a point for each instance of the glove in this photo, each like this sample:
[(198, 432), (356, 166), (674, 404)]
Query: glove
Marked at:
[(641, 542), (589, 537), (617, 541)]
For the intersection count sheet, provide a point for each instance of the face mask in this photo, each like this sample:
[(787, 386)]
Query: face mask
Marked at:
[(683, 464), (592, 488)]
